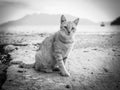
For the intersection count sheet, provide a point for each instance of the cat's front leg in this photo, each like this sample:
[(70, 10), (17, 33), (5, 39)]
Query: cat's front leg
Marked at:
[(56, 67), (63, 70), (61, 65), (64, 59)]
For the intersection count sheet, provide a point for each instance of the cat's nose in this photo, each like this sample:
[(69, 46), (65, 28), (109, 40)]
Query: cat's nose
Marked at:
[(68, 32)]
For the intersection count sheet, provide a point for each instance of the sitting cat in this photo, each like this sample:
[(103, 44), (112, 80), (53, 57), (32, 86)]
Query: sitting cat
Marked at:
[(54, 49)]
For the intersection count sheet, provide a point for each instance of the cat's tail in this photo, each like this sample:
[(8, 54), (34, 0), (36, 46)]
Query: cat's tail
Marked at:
[(23, 65)]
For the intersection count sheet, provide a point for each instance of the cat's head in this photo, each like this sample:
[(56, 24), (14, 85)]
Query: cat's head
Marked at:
[(68, 27)]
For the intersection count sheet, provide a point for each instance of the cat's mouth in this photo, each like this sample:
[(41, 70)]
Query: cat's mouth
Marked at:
[(68, 33)]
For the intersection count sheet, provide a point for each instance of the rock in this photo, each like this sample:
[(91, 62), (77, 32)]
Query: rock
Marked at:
[(105, 69), (5, 58), (9, 48), (3, 74)]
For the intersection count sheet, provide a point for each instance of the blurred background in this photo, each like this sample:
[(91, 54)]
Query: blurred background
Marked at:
[(33, 16)]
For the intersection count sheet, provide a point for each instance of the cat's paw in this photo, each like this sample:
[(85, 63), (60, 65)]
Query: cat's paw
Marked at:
[(56, 68), (66, 74)]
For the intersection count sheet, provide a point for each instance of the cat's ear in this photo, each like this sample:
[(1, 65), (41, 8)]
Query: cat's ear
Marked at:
[(63, 19), (76, 21)]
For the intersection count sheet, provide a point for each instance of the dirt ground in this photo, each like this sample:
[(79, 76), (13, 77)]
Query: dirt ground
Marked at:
[(94, 64)]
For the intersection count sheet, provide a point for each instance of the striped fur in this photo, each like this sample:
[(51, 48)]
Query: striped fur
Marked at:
[(55, 48)]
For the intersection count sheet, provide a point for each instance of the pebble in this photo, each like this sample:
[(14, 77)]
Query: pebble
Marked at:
[(67, 86)]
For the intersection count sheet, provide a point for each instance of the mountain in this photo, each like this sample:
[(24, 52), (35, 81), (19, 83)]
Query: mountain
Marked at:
[(116, 21), (43, 19)]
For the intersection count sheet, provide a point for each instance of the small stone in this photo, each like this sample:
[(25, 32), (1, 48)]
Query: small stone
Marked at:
[(85, 51), (95, 49), (10, 80), (67, 86), (21, 71), (73, 79), (105, 70), (91, 72)]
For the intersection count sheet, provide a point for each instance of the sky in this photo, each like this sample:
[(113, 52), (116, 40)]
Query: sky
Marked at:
[(95, 10)]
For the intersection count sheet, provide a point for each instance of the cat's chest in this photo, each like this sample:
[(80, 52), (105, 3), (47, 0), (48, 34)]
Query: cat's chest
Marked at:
[(62, 45), (62, 48)]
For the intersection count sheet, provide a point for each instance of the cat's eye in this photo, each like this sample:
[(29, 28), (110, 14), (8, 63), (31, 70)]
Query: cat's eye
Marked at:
[(65, 27)]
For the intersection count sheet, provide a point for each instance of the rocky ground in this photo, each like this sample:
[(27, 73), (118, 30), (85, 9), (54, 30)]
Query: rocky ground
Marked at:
[(93, 63)]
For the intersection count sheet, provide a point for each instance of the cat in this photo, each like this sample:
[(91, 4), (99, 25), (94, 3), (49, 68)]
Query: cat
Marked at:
[(54, 50)]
